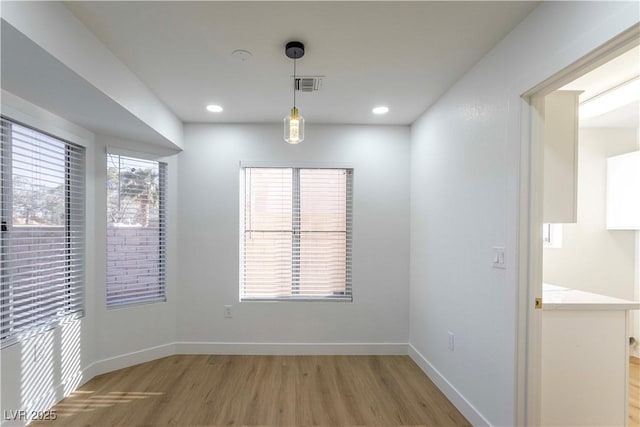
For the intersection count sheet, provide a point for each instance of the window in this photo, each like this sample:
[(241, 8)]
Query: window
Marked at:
[(43, 230), (136, 230), (296, 234), (552, 235)]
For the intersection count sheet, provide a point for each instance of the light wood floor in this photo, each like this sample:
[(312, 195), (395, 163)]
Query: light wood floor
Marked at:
[(261, 390), (634, 392)]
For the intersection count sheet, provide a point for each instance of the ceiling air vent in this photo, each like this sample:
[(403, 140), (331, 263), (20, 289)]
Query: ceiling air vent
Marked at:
[(308, 83)]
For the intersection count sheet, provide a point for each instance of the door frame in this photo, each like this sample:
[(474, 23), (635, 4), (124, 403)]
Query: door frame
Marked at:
[(530, 207)]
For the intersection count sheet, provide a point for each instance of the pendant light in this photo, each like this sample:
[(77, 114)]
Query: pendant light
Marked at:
[(294, 122)]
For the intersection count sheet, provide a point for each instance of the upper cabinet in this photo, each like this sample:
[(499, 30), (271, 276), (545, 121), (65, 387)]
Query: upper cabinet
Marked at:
[(623, 192), (561, 157)]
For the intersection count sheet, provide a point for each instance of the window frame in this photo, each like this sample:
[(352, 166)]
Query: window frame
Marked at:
[(552, 236), (74, 172), (296, 233), (163, 183)]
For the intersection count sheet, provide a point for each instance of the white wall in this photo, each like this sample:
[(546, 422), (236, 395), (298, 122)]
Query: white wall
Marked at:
[(592, 258), (464, 200), (140, 327), (208, 230)]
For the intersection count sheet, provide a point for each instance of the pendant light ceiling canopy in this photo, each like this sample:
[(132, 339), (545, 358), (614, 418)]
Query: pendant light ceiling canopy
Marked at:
[(294, 122), (294, 50)]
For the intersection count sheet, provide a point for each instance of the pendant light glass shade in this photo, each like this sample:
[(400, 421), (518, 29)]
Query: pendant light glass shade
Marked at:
[(294, 127)]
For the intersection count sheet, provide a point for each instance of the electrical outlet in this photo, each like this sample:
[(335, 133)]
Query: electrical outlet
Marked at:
[(451, 341), (227, 311)]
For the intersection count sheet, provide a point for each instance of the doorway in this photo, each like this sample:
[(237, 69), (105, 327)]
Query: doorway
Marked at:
[(532, 217)]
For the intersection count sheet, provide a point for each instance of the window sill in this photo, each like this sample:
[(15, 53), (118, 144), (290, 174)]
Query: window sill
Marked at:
[(297, 299)]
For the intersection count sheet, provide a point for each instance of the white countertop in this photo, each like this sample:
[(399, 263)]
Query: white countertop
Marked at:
[(559, 298)]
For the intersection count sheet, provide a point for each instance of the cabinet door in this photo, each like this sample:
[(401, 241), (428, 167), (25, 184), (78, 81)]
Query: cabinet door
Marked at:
[(561, 157)]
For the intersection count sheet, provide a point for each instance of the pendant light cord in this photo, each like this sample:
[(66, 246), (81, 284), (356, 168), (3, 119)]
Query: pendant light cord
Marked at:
[(294, 82)]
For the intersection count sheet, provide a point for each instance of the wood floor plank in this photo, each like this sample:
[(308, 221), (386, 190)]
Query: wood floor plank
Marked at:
[(634, 392), (261, 390)]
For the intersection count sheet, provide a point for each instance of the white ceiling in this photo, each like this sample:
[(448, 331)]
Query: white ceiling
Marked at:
[(30, 72), (627, 116), (400, 54), (619, 70)]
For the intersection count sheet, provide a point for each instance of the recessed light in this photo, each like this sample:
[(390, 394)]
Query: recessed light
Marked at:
[(214, 108), (380, 110)]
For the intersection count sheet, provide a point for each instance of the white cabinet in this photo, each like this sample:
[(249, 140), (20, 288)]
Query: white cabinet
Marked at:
[(623, 192), (585, 356), (561, 157), (584, 368)]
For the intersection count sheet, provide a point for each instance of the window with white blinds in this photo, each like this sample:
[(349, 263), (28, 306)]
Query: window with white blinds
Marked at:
[(136, 230), (42, 205), (296, 234)]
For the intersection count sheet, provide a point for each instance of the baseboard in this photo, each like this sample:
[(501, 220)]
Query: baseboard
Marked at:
[(291, 349), (146, 355), (458, 400), (129, 359)]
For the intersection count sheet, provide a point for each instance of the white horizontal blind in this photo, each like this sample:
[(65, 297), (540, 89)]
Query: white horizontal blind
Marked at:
[(43, 230), (296, 238), (136, 230)]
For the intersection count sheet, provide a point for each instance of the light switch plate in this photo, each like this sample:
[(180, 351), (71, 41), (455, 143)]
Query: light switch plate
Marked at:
[(498, 257)]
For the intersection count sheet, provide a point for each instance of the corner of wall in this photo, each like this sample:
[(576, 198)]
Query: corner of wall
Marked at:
[(470, 412)]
